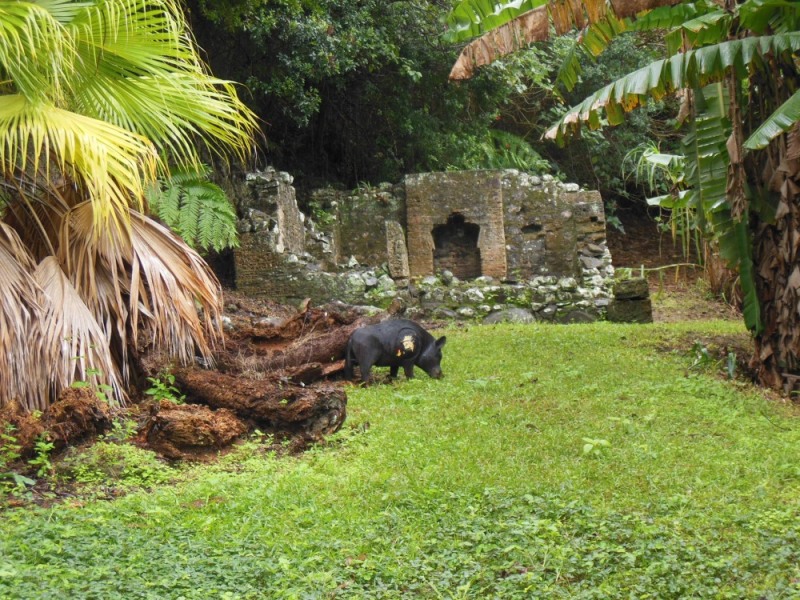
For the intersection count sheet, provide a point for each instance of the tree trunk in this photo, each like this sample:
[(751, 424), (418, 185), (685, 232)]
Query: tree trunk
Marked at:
[(777, 348)]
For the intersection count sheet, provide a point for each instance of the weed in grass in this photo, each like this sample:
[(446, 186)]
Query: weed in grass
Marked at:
[(41, 459), (117, 465), (11, 482), (122, 429)]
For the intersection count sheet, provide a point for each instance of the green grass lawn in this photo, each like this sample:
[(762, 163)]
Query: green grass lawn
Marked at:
[(581, 461)]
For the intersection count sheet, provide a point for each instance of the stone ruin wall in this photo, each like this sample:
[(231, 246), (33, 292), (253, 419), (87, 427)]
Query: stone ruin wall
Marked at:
[(541, 245)]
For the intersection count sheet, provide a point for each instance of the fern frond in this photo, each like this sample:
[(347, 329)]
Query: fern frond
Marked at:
[(196, 209)]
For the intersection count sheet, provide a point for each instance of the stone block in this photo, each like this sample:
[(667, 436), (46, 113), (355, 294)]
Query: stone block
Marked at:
[(511, 315), (631, 289), (630, 311), (396, 250)]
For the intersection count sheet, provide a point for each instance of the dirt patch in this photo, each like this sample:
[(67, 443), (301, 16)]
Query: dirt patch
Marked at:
[(678, 288), (645, 243)]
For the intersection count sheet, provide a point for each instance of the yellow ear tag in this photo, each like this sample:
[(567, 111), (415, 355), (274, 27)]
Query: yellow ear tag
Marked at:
[(399, 352)]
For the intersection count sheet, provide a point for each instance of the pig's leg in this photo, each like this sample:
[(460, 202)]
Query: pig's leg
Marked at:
[(366, 368), (409, 370)]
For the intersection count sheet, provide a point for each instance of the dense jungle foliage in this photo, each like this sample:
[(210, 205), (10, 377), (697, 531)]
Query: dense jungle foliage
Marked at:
[(357, 92)]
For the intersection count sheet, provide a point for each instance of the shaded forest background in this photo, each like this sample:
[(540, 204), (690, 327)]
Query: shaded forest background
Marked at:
[(357, 93)]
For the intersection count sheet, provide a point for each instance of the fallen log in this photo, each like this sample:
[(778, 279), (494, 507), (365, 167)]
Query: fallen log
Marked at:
[(274, 404), (311, 372), (190, 431), (268, 356), (76, 415)]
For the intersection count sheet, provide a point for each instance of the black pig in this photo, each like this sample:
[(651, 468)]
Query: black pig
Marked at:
[(394, 343)]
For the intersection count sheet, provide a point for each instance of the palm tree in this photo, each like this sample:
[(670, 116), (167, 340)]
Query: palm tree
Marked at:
[(97, 99), (735, 66)]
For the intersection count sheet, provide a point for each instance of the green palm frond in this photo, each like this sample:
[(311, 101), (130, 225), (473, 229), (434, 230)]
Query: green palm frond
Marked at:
[(132, 38), (63, 11), (196, 209), (164, 92), (691, 69), (34, 52), (109, 162)]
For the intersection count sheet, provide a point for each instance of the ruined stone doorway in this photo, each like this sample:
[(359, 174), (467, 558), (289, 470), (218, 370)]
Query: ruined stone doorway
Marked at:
[(456, 247)]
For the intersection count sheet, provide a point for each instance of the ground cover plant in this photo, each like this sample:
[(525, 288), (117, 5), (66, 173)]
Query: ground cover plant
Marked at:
[(580, 461)]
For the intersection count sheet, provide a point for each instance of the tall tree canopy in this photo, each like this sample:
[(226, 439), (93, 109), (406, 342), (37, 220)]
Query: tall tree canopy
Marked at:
[(356, 90), (97, 98), (735, 66)]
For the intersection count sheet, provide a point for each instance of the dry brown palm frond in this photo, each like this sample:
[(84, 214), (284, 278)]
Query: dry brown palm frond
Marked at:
[(171, 281), (142, 278), (76, 347), (20, 309), (96, 262)]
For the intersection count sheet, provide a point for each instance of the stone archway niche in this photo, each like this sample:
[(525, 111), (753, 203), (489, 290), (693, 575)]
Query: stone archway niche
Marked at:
[(441, 205), (456, 247)]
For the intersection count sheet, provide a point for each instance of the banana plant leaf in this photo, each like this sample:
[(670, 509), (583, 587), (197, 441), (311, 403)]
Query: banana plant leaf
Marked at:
[(781, 121)]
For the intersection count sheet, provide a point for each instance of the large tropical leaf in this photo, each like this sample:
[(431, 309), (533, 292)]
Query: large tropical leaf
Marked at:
[(736, 247), (519, 33), (704, 146), (510, 33), (691, 69), (707, 27), (781, 121), (470, 18), (777, 16)]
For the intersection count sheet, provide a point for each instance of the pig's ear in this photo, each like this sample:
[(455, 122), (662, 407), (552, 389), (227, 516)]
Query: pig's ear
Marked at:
[(441, 341)]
